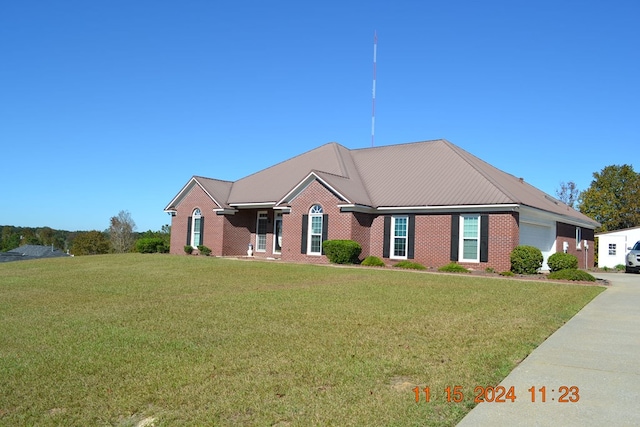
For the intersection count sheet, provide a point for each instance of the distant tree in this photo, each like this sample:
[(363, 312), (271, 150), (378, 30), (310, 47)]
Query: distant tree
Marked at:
[(613, 199), (568, 193), (28, 236), (90, 243), (121, 232), (9, 239), (46, 236)]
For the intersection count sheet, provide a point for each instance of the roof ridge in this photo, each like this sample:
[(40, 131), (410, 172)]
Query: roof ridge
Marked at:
[(341, 165), (213, 179), (333, 143), (400, 145), (464, 155)]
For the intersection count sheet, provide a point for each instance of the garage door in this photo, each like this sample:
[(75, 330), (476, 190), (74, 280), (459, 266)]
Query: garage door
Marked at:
[(541, 237)]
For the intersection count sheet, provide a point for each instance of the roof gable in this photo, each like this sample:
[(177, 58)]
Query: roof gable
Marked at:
[(216, 189), (273, 183)]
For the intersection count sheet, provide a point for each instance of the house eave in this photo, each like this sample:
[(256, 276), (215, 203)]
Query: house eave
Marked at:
[(252, 205), (428, 209), (566, 219), (225, 211)]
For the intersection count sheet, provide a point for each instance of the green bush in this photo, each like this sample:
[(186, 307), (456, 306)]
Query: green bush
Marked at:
[(507, 273), (410, 265), (561, 261), (204, 250), (526, 259), (453, 267), (342, 251), (151, 245), (373, 261), (620, 267), (572, 274), (188, 249)]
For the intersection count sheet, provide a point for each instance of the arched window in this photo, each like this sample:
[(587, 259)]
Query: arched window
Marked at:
[(195, 228), (315, 230)]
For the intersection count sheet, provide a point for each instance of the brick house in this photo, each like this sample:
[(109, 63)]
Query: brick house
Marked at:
[(430, 202)]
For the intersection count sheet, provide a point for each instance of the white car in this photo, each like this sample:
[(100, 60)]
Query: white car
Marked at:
[(633, 259)]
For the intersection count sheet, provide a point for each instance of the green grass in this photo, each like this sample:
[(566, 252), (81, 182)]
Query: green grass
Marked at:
[(110, 340)]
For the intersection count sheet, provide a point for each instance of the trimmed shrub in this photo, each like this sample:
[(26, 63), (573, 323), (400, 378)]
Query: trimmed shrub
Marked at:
[(188, 249), (410, 265), (204, 250), (151, 245), (572, 274), (561, 261), (373, 261), (526, 259), (453, 267), (342, 251), (507, 273)]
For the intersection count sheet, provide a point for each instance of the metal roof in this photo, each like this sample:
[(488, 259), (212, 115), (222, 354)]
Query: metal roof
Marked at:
[(429, 173)]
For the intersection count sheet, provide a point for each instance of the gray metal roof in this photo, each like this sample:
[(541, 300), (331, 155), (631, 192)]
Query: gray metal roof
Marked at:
[(430, 173), (27, 252)]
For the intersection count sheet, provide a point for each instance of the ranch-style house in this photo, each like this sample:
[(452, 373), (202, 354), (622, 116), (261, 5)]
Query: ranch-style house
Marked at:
[(431, 202)]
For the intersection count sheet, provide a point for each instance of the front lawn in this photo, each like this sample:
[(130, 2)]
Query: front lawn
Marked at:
[(176, 340)]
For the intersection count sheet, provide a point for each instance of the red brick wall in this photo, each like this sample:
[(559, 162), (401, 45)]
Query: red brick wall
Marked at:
[(196, 198), (433, 241), (567, 233), (361, 231), (237, 232), (339, 222)]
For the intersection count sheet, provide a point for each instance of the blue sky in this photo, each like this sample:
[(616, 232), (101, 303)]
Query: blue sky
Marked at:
[(114, 105)]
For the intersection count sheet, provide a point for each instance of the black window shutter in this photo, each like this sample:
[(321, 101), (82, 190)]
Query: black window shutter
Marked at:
[(189, 230), (386, 240), (303, 241), (202, 230), (484, 238), (411, 236), (325, 231), (455, 236)]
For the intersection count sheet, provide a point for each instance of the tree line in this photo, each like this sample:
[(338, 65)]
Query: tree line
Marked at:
[(120, 237), (612, 199)]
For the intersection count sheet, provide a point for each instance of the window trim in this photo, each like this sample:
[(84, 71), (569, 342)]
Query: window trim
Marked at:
[(315, 211), (393, 237), (462, 239), (612, 249), (261, 215), (196, 227)]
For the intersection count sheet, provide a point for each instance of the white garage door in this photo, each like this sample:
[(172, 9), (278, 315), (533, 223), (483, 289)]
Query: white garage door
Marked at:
[(542, 237)]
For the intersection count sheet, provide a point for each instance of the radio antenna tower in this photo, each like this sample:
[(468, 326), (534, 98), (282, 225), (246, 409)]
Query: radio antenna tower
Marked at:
[(373, 101)]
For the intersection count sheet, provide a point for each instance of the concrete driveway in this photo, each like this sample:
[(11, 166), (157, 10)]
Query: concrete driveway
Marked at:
[(597, 352)]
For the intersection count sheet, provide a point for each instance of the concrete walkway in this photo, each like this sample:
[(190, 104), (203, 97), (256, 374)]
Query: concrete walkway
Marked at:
[(598, 351)]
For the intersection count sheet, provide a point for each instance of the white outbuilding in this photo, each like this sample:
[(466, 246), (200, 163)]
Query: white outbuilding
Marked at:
[(614, 245)]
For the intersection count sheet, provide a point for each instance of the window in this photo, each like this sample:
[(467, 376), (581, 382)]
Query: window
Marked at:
[(315, 230), (399, 228), (196, 227), (261, 232), (578, 237), (612, 248), (277, 233), (470, 235)]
